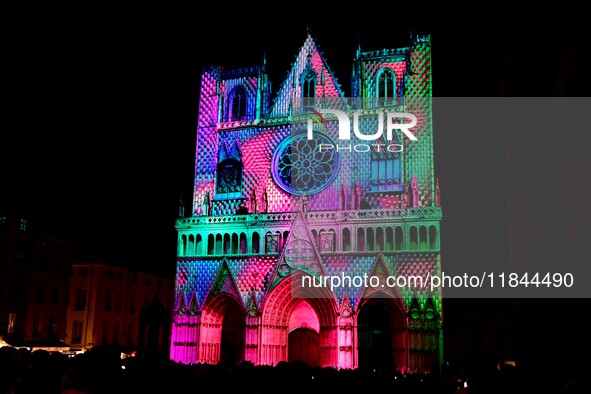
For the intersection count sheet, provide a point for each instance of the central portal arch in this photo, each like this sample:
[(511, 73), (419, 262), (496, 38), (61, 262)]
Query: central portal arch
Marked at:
[(304, 346), (298, 318), (303, 343)]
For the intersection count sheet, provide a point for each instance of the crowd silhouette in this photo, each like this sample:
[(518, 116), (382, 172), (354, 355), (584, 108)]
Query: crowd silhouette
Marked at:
[(101, 370)]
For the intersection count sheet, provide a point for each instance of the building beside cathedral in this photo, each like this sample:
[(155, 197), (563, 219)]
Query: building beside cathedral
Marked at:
[(283, 201), (34, 283), (110, 305)]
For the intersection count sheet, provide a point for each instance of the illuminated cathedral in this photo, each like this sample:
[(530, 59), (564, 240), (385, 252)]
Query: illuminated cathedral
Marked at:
[(281, 195)]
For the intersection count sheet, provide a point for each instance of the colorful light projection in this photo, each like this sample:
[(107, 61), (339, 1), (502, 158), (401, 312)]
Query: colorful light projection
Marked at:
[(267, 211)]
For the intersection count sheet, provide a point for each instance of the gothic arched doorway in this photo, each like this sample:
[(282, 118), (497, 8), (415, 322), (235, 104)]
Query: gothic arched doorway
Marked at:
[(303, 342), (380, 335), (303, 345), (289, 307), (233, 328)]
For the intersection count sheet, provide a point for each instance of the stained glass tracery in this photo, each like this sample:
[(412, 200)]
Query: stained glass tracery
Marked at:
[(301, 166)]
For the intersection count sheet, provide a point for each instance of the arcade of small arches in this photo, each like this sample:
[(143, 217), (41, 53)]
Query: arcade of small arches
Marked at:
[(366, 238), (378, 332)]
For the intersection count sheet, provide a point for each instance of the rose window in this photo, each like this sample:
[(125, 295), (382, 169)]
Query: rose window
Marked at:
[(306, 166)]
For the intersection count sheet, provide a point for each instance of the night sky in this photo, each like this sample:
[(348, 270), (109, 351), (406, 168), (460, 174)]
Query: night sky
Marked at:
[(105, 109)]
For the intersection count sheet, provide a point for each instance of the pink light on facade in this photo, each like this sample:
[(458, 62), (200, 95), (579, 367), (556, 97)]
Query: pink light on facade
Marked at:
[(303, 316)]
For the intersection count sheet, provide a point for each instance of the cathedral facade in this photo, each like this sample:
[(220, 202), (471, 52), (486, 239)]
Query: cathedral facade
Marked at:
[(305, 231)]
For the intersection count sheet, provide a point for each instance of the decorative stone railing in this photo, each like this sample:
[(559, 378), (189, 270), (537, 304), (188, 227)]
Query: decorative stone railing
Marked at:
[(241, 72), (237, 124), (364, 215)]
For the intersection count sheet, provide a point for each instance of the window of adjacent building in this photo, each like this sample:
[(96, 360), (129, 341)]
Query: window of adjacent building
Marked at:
[(129, 333), (77, 331), (58, 266), (115, 340), (39, 295), (159, 284), (108, 300), (35, 327), (80, 304), (134, 277), (118, 302), (120, 276), (44, 262), (82, 272), (18, 287), (54, 295), (131, 305), (110, 274), (51, 325), (105, 337), (147, 282), (19, 249), (11, 323)]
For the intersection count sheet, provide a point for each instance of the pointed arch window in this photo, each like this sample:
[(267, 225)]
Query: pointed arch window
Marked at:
[(256, 243), (229, 172), (237, 104), (386, 167), (229, 182), (386, 90), (308, 83)]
